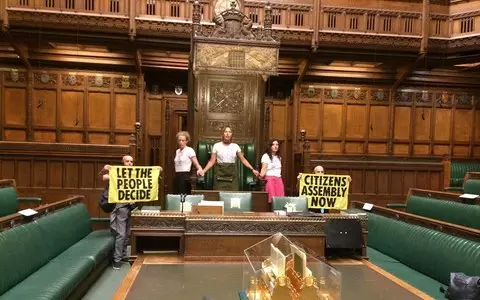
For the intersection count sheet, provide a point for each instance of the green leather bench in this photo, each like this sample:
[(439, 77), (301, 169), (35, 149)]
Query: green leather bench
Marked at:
[(471, 183), (9, 200), (440, 206), (420, 256), (50, 257), (458, 169), (246, 182)]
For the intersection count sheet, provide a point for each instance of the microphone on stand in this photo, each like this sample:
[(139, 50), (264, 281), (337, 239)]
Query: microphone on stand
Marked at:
[(182, 199)]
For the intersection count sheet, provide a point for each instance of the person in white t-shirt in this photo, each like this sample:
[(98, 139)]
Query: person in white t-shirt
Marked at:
[(184, 157), (272, 170), (224, 155)]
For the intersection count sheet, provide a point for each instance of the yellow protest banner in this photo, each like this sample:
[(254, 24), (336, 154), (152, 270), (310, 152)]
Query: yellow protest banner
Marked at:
[(325, 191), (133, 184)]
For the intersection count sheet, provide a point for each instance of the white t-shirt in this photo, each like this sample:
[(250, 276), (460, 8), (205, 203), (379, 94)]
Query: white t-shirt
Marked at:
[(226, 154), (274, 165), (183, 159)]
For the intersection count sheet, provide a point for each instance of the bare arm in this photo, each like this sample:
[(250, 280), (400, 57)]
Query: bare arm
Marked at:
[(246, 163), (211, 162), (197, 165), (264, 170)]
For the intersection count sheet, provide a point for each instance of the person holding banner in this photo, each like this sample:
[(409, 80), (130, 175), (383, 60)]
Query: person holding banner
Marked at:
[(319, 170), (272, 171), (224, 155), (119, 219), (184, 157)]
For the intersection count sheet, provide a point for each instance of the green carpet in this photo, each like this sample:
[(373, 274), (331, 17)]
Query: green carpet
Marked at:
[(107, 284)]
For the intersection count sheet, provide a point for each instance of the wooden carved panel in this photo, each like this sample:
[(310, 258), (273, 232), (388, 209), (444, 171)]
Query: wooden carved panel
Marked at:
[(227, 97), (228, 101), (71, 109), (125, 111)]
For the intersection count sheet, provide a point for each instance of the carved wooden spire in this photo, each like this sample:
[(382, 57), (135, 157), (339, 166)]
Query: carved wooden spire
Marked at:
[(267, 21), (196, 16)]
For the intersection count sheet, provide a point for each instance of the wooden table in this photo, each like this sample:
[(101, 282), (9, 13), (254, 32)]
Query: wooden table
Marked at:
[(224, 237)]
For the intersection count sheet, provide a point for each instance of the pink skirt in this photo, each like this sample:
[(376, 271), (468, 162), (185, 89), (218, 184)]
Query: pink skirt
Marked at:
[(274, 187)]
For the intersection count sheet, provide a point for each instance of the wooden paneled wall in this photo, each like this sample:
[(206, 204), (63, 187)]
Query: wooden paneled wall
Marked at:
[(59, 127), (55, 171), (372, 121), (68, 107), (382, 180)]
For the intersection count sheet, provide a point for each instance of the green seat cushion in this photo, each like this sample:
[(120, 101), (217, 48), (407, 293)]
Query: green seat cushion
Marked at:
[(22, 251), (8, 201), (414, 278), (95, 246), (65, 227), (55, 280), (459, 169), (472, 186), (299, 203), (428, 251), (447, 211), (230, 204), (173, 202)]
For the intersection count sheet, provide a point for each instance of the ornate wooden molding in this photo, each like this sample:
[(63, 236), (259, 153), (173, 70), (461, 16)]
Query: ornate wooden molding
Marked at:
[(53, 149), (382, 40), (68, 20), (280, 5), (382, 12)]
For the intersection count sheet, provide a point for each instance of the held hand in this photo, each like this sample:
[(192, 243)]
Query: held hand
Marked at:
[(200, 173), (255, 172), (349, 179)]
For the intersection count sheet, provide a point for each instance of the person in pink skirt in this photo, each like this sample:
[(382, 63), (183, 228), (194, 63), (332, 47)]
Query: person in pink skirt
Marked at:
[(272, 170)]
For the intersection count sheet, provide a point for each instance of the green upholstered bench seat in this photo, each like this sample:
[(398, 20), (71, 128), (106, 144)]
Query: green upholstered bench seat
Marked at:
[(458, 171), (49, 257), (414, 278), (431, 253), (448, 211), (472, 186), (10, 202), (173, 202)]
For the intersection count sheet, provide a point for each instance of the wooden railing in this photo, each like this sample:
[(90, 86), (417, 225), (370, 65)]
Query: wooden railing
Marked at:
[(115, 7), (292, 16)]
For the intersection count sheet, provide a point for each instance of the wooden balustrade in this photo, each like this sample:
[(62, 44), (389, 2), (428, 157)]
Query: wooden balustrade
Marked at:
[(293, 16), (115, 7)]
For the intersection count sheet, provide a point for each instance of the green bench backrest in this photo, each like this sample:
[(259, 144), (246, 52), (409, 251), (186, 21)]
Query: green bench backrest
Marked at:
[(448, 211), (65, 227), (245, 176), (22, 252), (430, 252), (278, 203), (26, 248), (245, 201), (472, 186), (8, 201), (459, 169), (173, 201)]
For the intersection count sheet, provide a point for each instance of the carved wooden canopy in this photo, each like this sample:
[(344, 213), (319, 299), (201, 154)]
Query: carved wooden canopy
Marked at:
[(233, 47)]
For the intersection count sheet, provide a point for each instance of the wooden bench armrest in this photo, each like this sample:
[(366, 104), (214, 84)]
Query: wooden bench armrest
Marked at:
[(29, 199)]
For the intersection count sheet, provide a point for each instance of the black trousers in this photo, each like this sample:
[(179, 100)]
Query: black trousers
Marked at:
[(181, 183)]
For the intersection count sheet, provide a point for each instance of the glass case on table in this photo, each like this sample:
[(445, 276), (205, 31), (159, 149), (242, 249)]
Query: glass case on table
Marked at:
[(279, 269)]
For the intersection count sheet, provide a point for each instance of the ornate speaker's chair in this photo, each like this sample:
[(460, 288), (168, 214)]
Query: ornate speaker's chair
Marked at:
[(236, 202), (173, 202), (297, 204), (246, 180)]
